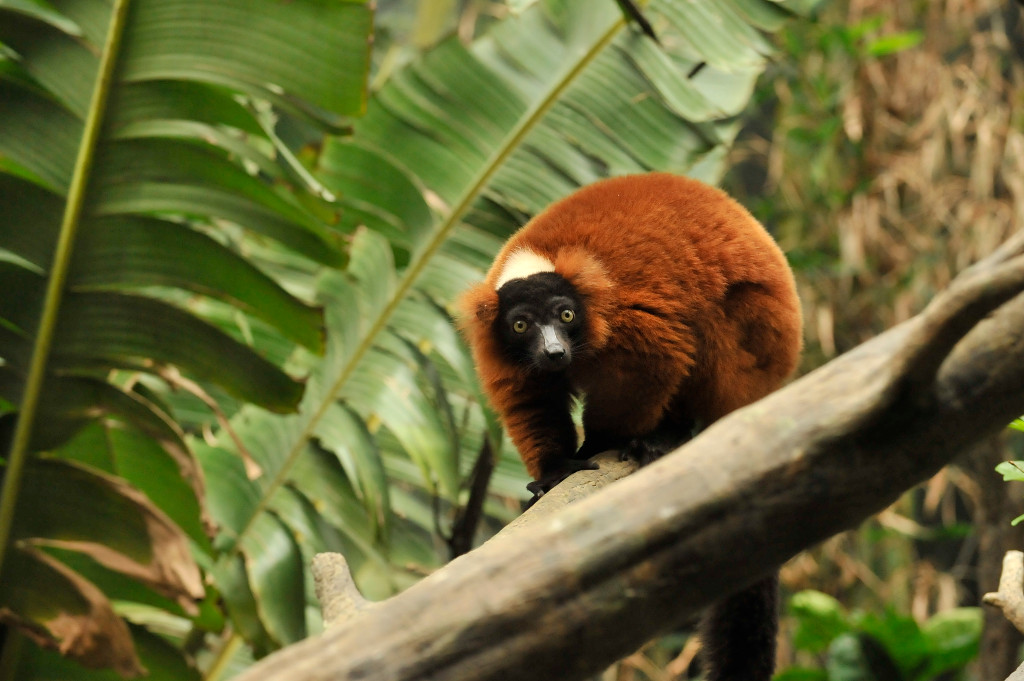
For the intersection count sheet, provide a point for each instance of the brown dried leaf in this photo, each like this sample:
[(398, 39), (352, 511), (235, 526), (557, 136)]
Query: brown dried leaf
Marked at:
[(146, 546), (56, 608)]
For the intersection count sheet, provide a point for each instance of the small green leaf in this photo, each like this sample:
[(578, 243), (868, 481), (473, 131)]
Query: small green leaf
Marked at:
[(862, 657), (899, 637), (846, 660), (1011, 470), (953, 638), (820, 619), (893, 43)]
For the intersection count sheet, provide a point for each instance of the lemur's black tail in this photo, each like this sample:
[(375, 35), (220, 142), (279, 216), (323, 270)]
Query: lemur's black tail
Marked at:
[(738, 634)]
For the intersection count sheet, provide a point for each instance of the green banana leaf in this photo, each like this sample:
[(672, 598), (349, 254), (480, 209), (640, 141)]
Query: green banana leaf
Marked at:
[(139, 151)]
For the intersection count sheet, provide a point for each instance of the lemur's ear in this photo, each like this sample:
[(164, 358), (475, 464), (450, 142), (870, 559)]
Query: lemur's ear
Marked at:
[(479, 303)]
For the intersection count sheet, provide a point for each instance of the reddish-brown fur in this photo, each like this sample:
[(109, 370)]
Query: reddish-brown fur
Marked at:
[(691, 312)]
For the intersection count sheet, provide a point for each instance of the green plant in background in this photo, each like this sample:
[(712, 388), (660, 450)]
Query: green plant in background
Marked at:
[(840, 163), (860, 646), (1013, 470), (843, 164), (224, 341)]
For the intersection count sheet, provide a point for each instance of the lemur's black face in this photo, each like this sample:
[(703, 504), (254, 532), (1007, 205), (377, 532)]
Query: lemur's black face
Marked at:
[(540, 321)]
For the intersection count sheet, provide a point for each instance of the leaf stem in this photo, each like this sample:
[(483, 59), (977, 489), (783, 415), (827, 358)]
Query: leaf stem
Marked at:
[(226, 651), (22, 440)]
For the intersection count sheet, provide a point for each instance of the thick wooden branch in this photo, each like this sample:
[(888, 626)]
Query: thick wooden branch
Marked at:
[(569, 595)]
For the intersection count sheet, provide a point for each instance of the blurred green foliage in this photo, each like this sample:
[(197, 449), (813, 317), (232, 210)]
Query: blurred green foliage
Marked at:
[(866, 646)]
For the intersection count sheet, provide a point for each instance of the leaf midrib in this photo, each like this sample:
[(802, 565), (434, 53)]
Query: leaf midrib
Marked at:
[(21, 441)]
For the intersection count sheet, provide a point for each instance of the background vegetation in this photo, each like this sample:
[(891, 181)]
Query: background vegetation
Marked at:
[(886, 155), (230, 231)]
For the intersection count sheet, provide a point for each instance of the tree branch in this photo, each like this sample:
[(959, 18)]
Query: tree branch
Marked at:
[(1010, 597), (576, 591), (340, 600)]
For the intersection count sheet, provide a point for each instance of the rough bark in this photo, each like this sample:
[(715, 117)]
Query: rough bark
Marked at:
[(588, 585)]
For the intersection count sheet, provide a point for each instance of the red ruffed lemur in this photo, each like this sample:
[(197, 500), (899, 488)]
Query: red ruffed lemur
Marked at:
[(662, 304)]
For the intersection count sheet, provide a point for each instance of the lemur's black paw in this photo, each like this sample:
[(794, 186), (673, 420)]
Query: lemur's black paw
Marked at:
[(644, 451), (548, 481), (597, 443), (654, 445)]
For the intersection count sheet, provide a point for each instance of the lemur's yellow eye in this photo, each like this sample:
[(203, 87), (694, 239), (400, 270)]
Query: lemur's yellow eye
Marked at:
[(568, 315), (519, 326)]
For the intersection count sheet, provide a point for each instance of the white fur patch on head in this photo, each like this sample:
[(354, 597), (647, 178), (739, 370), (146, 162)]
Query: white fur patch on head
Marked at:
[(521, 264)]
